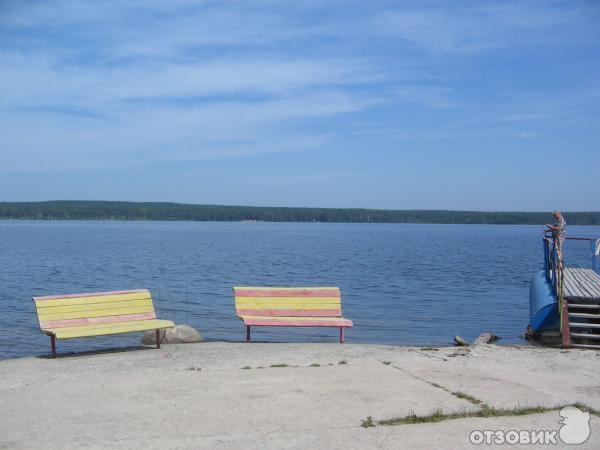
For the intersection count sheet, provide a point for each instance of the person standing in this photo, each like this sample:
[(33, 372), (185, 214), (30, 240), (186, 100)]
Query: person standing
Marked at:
[(559, 231)]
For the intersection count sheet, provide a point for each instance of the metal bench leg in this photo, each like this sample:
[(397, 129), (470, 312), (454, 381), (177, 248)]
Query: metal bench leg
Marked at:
[(157, 338), (247, 333), (53, 345), (341, 335)]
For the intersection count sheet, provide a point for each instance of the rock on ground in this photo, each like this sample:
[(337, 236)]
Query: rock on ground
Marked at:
[(179, 334)]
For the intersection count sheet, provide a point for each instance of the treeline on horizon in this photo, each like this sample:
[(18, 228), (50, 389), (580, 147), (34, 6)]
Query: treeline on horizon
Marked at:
[(113, 210)]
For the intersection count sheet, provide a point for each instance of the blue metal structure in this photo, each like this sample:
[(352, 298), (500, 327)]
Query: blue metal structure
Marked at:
[(545, 296), (544, 293)]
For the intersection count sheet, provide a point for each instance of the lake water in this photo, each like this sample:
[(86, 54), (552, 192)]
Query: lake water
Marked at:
[(401, 283)]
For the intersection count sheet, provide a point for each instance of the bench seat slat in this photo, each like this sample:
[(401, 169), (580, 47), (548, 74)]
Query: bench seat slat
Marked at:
[(95, 320), (93, 307), (287, 293), (109, 328), (96, 313), (91, 294), (287, 305), (84, 299), (246, 291), (294, 299), (296, 321), (290, 312)]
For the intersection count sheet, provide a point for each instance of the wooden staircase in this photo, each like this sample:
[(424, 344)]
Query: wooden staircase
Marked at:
[(581, 324), (580, 313)]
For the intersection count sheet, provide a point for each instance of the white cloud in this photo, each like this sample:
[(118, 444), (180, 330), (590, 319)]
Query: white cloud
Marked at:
[(121, 82), (466, 29)]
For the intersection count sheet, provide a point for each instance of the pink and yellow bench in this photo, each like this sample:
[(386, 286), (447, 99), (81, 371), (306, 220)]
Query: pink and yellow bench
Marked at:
[(97, 314), (290, 307)]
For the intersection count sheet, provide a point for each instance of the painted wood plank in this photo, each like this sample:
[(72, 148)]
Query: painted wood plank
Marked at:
[(297, 322), (592, 279), (107, 329), (287, 305), (95, 313), (279, 288), (276, 293), (93, 306), (91, 299), (571, 286), (584, 283), (290, 312), (96, 320), (293, 299), (90, 294)]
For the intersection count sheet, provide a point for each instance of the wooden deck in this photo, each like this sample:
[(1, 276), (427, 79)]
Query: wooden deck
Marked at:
[(581, 284)]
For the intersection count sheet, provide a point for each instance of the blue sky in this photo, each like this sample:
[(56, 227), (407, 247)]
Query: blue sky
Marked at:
[(380, 104)]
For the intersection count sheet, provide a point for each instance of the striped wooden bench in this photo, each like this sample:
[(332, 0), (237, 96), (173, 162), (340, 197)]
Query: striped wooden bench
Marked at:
[(97, 314), (290, 307)]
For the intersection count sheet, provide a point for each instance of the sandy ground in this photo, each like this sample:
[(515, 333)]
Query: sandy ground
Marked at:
[(202, 396)]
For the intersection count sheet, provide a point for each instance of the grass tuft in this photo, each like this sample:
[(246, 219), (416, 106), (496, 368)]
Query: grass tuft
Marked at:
[(342, 362), (369, 422), (315, 365), (279, 365), (586, 408), (485, 412), (246, 367), (467, 397)]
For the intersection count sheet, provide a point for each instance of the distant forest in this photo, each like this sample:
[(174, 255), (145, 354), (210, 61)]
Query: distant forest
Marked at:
[(102, 210)]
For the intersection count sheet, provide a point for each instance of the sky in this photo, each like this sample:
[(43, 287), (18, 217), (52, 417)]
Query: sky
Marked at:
[(380, 104)]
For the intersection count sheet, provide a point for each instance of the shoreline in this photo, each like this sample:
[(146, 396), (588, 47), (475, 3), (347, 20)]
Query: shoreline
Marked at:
[(273, 395), (45, 354)]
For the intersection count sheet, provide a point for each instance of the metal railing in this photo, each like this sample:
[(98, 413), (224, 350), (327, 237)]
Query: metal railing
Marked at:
[(553, 269), (552, 264)]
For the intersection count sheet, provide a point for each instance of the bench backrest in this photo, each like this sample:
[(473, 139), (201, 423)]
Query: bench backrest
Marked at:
[(288, 302), (58, 311)]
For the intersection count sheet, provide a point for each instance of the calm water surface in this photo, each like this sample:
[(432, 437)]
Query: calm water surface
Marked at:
[(401, 284)]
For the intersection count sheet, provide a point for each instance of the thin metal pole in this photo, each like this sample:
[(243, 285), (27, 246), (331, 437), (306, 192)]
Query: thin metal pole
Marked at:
[(341, 335), (53, 345), (157, 338), (247, 333)]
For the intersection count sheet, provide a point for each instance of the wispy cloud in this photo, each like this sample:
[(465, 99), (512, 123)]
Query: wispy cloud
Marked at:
[(479, 26), (110, 83)]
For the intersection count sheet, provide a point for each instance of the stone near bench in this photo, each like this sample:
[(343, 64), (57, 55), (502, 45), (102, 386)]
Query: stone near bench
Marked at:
[(179, 334)]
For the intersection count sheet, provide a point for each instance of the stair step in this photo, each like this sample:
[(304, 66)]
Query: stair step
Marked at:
[(582, 306), (591, 347), (583, 325), (585, 315), (585, 335)]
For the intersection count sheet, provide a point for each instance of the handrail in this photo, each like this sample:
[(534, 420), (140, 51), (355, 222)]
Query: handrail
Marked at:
[(553, 268)]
